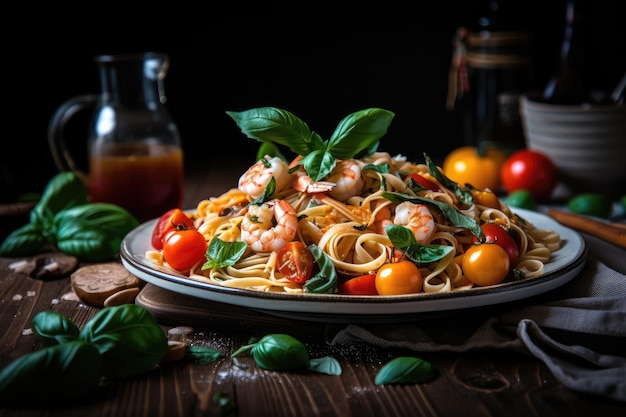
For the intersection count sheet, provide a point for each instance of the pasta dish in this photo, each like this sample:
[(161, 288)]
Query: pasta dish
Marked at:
[(360, 214)]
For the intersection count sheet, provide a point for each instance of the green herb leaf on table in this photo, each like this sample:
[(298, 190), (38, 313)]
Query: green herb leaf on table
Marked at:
[(405, 370), (52, 328), (277, 352)]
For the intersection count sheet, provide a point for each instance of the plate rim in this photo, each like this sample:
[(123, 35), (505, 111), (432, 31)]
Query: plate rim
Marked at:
[(315, 306)]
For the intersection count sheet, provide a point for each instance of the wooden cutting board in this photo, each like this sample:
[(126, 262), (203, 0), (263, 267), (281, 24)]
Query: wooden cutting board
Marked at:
[(173, 309)]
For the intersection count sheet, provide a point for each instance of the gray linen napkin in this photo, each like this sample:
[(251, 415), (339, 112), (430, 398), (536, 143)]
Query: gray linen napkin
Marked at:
[(577, 330)]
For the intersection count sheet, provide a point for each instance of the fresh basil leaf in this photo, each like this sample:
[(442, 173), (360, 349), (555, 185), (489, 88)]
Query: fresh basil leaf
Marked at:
[(63, 191), (452, 214), (93, 232), (325, 281), (277, 352), (325, 365), (405, 370), (52, 328), (402, 238), (221, 253), (128, 337), (359, 131), (202, 354), (25, 241), (56, 373), (271, 149), (463, 195), (275, 125), (318, 164), (382, 168)]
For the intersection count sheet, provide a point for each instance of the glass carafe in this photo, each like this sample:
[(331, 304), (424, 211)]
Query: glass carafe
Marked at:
[(134, 149)]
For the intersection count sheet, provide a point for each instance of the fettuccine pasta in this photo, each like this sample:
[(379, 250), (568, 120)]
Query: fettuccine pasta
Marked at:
[(346, 216)]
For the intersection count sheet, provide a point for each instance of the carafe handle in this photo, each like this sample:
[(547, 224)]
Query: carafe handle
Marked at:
[(63, 159)]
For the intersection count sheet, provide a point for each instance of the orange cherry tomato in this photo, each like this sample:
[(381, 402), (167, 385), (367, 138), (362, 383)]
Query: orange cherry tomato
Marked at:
[(466, 165), (295, 262), (495, 233), (485, 264), (361, 285), (402, 277), (183, 248), (167, 223), (486, 198)]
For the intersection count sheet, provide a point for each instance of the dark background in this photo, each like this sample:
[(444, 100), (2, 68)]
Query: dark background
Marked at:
[(320, 63)]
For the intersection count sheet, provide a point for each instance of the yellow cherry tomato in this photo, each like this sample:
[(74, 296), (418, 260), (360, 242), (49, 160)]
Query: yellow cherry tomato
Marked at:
[(485, 264), (466, 165), (403, 277)]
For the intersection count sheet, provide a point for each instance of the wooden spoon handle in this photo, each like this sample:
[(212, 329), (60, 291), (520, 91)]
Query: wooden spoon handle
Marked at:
[(613, 234)]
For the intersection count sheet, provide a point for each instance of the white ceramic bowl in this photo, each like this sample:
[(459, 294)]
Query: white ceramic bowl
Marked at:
[(587, 143)]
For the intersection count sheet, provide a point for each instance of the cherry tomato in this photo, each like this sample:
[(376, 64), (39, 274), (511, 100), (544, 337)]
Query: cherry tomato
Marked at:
[(466, 165), (395, 278), (485, 264), (361, 285), (495, 233), (424, 182), (486, 198), (531, 171), (166, 223), (183, 248), (295, 261)]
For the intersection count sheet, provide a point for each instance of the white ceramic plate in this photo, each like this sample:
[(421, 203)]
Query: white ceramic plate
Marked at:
[(565, 265)]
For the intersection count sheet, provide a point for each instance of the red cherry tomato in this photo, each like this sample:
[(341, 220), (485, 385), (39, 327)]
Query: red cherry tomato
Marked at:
[(402, 277), (485, 264), (495, 233), (183, 248), (167, 223), (531, 171), (295, 262), (361, 285), (424, 182)]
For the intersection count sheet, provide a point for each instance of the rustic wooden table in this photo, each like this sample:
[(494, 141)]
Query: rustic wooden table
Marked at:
[(494, 383)]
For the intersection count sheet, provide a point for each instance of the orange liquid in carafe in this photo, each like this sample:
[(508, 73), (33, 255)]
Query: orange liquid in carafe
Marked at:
[(145, 179)]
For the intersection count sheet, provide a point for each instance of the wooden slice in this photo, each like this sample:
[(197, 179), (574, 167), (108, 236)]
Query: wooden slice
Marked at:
[(95, 283)]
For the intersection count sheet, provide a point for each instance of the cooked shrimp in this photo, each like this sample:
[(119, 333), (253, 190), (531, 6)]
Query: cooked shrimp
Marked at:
[(269, 226), (417, 218), (254, 181), (303, 183), (348, 180)]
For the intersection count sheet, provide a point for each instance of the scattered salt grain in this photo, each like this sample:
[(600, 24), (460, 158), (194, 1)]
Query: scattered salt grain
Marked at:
[(19, 266), (27, 332), (54, 301), (17, 297), (30, 293)]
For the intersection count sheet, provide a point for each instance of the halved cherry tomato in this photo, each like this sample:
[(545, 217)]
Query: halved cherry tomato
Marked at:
[(361, 285), (424, 182), (402, 277), (495, 233), (295, 262), (183, 248), (167, 223), (485, 264)]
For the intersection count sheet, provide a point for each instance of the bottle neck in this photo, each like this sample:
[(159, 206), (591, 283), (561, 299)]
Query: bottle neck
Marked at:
[(568, 83)]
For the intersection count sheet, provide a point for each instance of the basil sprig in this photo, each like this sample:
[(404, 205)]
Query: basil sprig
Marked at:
[(117, 342), (356, 135), (64, 220), (282, 352), (403, 239)]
